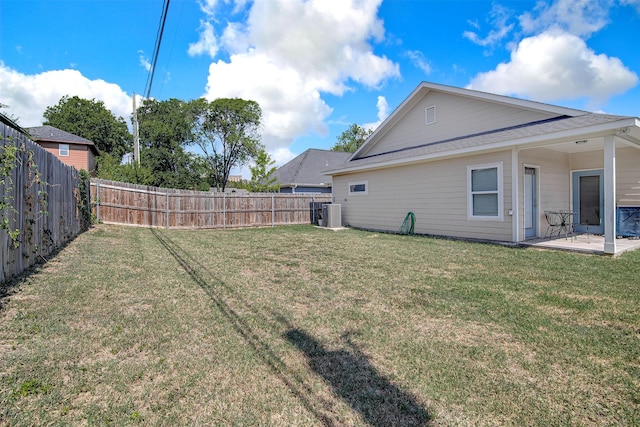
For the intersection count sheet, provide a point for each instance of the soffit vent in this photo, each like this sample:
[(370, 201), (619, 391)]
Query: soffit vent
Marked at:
[(430, 115)]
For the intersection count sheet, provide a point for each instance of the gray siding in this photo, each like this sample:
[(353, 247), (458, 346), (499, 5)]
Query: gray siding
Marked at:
[(456, 116), (554, 180), (555, 173), (627, 172), (435, 191), (628, 177)]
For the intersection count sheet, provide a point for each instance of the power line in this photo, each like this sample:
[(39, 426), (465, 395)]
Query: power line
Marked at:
[(156, 51), (149, 84)]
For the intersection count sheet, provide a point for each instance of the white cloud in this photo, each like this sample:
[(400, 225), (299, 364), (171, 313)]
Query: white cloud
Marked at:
[(554, 66), (282, 156), (207, 43), (418, 59), (499, 19), (144, 61), (579, 17), (290, 52), (383, 112), (29, 95), (634, 3), (208, 6)]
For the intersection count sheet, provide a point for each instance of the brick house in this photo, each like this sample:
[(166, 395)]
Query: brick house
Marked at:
[(71, 149)]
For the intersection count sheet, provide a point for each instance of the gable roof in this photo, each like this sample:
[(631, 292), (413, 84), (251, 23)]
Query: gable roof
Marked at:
[(564, 123), (308, 168), (52, 134)]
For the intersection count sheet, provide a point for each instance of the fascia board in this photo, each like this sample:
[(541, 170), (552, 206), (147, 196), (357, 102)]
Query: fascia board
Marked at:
[(406, 105), (424, 88), (527, 142)]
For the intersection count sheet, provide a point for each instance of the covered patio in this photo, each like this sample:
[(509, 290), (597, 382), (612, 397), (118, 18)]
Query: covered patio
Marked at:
[(583, 243), (588, 173)]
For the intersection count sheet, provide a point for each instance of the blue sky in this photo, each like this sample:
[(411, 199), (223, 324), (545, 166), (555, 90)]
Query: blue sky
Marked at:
[(316, 66)]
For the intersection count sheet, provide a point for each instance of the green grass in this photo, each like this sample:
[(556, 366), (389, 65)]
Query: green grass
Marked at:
[(304, 326)]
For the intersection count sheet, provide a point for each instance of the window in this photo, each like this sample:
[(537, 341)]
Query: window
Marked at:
[(430, 115), (63, 150), (485, 191), (360, 187)]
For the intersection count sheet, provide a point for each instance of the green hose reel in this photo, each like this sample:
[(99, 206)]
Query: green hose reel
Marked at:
[(408, 224)]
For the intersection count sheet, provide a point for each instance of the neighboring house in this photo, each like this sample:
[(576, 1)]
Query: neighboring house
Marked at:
[(71, 149), (305, 173), (482, 166)]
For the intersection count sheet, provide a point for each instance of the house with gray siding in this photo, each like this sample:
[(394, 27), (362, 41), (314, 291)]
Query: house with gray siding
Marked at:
[(477, 165), (305, 173)]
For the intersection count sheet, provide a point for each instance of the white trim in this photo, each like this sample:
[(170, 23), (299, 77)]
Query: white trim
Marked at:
[(522, 143), (539, 232), (499, 191), (352, 185), (610, 194), (60, 151), (425, 87), (515, 191)]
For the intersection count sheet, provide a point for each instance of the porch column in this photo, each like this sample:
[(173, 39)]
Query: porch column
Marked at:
[(515, 197), (610, 194)]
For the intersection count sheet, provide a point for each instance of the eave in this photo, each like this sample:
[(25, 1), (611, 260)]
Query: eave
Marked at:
[(627, 130)]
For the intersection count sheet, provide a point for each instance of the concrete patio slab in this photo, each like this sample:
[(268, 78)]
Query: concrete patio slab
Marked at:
[(585, 243)]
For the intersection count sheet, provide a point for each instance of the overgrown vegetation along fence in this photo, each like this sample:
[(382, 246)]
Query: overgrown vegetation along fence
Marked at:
[(138, 205), (41, 202)]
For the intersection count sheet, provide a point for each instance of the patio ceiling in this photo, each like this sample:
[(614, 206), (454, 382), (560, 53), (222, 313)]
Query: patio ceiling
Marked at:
[(582, 145)]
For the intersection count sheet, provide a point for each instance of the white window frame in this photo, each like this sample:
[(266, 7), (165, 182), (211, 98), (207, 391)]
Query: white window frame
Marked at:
[(358, 193), (499, 191), (63, 152)]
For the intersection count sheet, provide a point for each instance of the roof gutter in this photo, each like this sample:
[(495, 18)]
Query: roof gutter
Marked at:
[(527, 142)]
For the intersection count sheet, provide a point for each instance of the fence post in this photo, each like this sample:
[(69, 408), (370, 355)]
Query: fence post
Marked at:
[(167, 210), (272, 209), (98, 202), (224, 211)]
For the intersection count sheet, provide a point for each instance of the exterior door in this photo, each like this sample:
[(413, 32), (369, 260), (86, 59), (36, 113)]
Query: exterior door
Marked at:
[(588, 201), (530, 203)]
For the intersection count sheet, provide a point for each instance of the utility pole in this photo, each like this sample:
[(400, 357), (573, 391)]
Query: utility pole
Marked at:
[(136, 141)]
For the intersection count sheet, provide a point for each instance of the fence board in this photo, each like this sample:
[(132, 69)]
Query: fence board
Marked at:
[(143, 206), (41, 195)]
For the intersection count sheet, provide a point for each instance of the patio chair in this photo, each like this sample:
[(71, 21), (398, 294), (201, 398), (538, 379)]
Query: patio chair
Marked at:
[(554, 223)]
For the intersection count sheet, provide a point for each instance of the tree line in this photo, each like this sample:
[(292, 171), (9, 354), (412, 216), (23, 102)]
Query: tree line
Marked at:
[(183, 144)]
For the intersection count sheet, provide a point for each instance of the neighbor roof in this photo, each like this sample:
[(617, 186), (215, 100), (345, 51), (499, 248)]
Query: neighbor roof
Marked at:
[(308, 168), (52, 134)]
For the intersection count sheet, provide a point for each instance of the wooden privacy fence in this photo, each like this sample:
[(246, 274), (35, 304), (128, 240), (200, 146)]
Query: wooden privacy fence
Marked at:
[(39, 201), (138, 205)]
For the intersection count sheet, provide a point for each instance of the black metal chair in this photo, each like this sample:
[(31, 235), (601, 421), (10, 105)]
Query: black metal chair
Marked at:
[(554, 223)]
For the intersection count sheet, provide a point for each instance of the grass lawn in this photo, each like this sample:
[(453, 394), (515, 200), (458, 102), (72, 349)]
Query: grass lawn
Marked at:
[(304, 326)]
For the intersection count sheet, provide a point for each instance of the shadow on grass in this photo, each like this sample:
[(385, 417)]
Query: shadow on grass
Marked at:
[(214, 287), (355, 380)]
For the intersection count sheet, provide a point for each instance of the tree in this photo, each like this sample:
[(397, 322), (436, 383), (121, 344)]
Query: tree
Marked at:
[(8, 115), (228, 132), (351, 139), (90, 119), (262, 179), (165, 129), (111, 168)]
